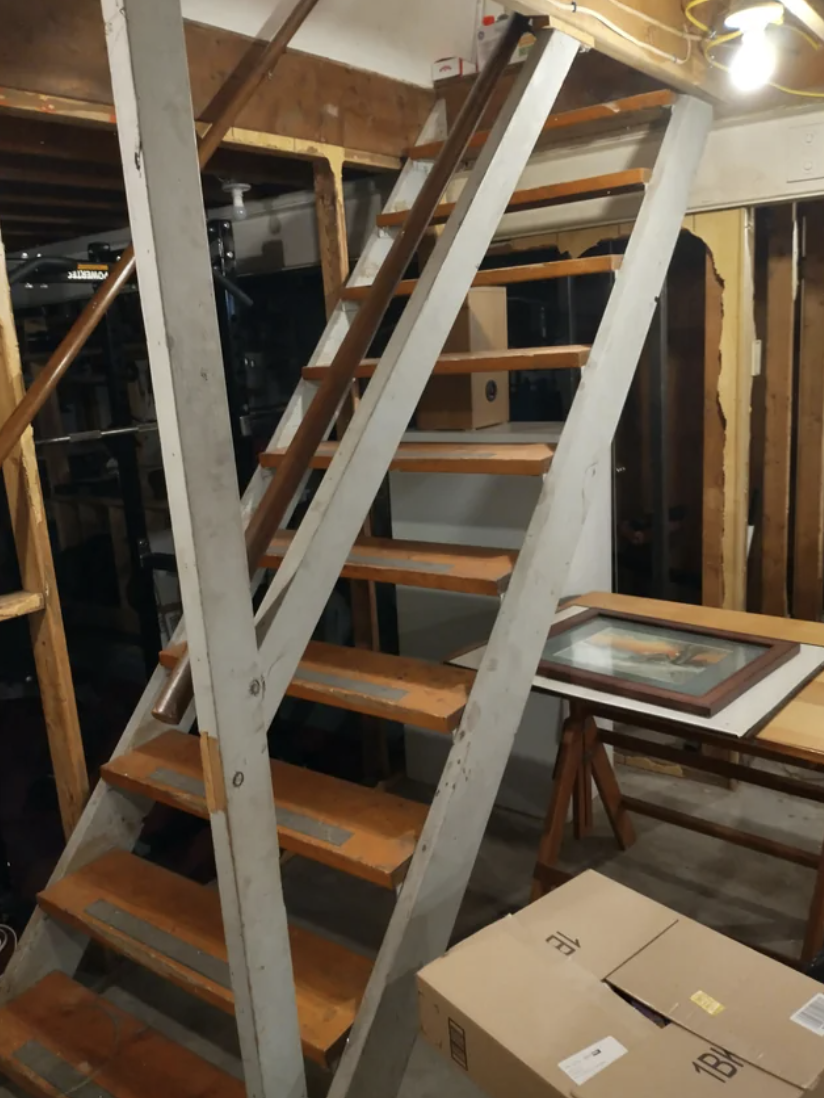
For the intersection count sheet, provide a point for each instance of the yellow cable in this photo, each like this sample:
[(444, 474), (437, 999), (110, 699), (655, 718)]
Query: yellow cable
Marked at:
[(814, 42), (696, 22), (707, 46)]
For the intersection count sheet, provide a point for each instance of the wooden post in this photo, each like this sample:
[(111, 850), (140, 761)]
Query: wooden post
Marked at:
[(808, 549), (331, 213), (334, 265), (31, 536), (729, 341), (778, 404)]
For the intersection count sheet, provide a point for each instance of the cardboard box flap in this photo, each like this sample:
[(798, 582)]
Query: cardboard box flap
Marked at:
[(538, 1008), (739, 1000), (673, 1063), (596, 921)]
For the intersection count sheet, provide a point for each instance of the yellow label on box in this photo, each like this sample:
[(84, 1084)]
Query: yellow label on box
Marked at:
[(706, 1002)]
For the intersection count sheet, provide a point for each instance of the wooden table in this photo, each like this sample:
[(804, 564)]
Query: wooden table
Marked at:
[(795, 737)]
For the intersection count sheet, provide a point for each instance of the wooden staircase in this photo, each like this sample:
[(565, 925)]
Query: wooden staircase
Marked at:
[(53, 1033)]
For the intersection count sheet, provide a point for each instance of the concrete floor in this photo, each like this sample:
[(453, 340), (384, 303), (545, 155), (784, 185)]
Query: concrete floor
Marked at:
[(741, 893)]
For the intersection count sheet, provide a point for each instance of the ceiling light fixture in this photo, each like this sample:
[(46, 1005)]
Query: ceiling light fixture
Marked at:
[(755, 60)]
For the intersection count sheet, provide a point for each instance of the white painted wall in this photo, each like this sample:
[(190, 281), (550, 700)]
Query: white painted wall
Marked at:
[(397, 38)]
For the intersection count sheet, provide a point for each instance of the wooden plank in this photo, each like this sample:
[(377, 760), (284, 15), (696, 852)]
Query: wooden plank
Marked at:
[(331, 221), (509, 459), (437, 567), (634, 110), (779, 349), (714, 830), (625, 35), (364, 832), (31, 535), (19, 603), (460, 363), (398, 688), (307, 97), (59, 1037), (728, 368), (512, 276), (808, 547), (734, 621), (630, 181), (174, 927)]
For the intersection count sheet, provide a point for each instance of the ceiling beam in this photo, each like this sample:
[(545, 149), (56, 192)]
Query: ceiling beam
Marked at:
[(16, 217), (58, 50), (806, 14), (672, 59), (14, 169), (61, 201)]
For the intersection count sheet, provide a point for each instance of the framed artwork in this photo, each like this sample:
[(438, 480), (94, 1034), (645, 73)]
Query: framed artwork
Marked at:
[(691, 669)]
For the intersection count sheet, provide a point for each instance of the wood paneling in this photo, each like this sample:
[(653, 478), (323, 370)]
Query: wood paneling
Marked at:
[(56, 48), (778, 354)]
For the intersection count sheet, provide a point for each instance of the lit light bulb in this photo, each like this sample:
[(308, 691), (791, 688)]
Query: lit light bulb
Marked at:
[(755, 59), (754, 62)]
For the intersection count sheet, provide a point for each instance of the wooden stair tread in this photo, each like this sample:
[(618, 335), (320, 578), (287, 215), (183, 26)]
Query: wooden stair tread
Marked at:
[(19, 603), (508, 276), (57, 1037), (634, 110), (485, 362), (555, 194), (364, 832), (467, 568), (509, 458), (174, 927), (397, 688)]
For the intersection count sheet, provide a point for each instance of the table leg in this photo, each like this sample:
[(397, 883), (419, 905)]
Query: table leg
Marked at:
[(567, 767), (814, 935), (608, 787), (582, 820)]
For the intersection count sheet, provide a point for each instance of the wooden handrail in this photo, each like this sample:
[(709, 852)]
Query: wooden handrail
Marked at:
[(77, 337), (174, 698)]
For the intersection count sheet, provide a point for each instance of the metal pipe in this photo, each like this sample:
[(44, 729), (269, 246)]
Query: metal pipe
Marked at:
[(97, 436), (178, 691), (73, 343)]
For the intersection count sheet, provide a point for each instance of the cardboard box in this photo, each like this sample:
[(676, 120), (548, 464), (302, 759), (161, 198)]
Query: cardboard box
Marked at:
[(447, 67), (598, 992), (465, 401)]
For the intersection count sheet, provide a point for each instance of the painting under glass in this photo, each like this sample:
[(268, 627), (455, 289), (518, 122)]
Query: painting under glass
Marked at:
[(651, 655)]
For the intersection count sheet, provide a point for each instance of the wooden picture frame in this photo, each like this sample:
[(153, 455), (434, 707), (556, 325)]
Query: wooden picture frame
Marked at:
[(715, 698)]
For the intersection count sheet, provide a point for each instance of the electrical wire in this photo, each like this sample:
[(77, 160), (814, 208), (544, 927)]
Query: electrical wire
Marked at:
[(723, 39), (574, 7), (696, 22), (678, 31)]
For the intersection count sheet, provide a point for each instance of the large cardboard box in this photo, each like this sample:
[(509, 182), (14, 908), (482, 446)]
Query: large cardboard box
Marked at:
[(598, 992), (461, 402)]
